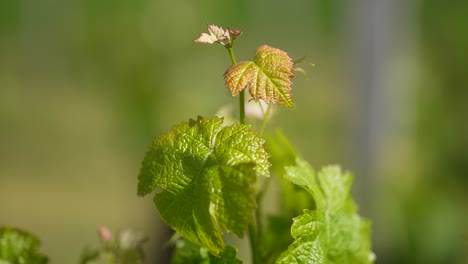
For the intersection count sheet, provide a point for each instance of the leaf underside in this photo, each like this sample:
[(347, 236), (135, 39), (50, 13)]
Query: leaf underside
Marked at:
[(334, 232), (207, 174), (268, 76)]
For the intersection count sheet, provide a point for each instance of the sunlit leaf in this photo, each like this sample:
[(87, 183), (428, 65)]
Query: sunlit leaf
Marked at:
[(207, 174), (268, 76), (333, 232)]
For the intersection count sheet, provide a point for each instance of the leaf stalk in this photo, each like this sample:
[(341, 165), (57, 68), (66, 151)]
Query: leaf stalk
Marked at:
[(229, 47)]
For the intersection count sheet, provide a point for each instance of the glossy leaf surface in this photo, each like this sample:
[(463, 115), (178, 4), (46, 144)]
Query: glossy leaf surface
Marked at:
[(207, 174)]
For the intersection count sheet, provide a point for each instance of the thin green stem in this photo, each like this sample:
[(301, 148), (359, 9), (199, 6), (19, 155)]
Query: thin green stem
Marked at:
[(256, 257), (242, 107), (258, 218), (258, 214), (242, 93), (265, 118), (283, 241), (231, 54)]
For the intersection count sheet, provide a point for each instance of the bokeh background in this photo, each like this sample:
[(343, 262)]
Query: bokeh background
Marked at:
[(85, 85)]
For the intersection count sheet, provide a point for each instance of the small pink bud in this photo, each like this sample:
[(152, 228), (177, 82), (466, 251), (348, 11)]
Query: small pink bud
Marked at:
[(105, 233), (235, 33)]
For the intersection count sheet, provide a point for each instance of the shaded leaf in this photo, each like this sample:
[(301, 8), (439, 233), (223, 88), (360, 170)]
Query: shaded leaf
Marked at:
[(228, 256), (268, 76), (283, 155), (334, 232), (276, 236), (188, 253), (207, 174)]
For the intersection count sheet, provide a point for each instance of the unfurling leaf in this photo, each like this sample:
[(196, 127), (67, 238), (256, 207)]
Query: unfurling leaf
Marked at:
[(268, 75), (219, 35), (333, 232), (216, 34), (207, 174)]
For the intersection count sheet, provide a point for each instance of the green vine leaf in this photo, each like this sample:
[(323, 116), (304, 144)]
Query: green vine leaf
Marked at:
[(268, 76), (17, 246), (207, 174), (333, 232)]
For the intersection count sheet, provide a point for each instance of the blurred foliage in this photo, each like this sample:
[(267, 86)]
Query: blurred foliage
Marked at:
[(124, 247), (436, 208), (333, 232), (19, 247)]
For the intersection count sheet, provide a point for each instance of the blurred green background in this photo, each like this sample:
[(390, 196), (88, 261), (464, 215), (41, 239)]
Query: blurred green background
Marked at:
[(85, 85)]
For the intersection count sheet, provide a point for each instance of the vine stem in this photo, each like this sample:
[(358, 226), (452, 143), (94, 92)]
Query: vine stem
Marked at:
[(253, 235), (242, 107), (241, 93), (265, 117)]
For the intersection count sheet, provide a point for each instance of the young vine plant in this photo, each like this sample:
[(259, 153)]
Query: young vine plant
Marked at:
[(208, 173)]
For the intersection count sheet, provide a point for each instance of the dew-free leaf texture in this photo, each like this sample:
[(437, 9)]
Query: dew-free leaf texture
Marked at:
[(207, 174), (19, 247), (268, 76), (333, 233)]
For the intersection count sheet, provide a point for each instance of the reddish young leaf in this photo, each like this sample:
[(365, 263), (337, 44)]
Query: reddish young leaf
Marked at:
[(268, 75)]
